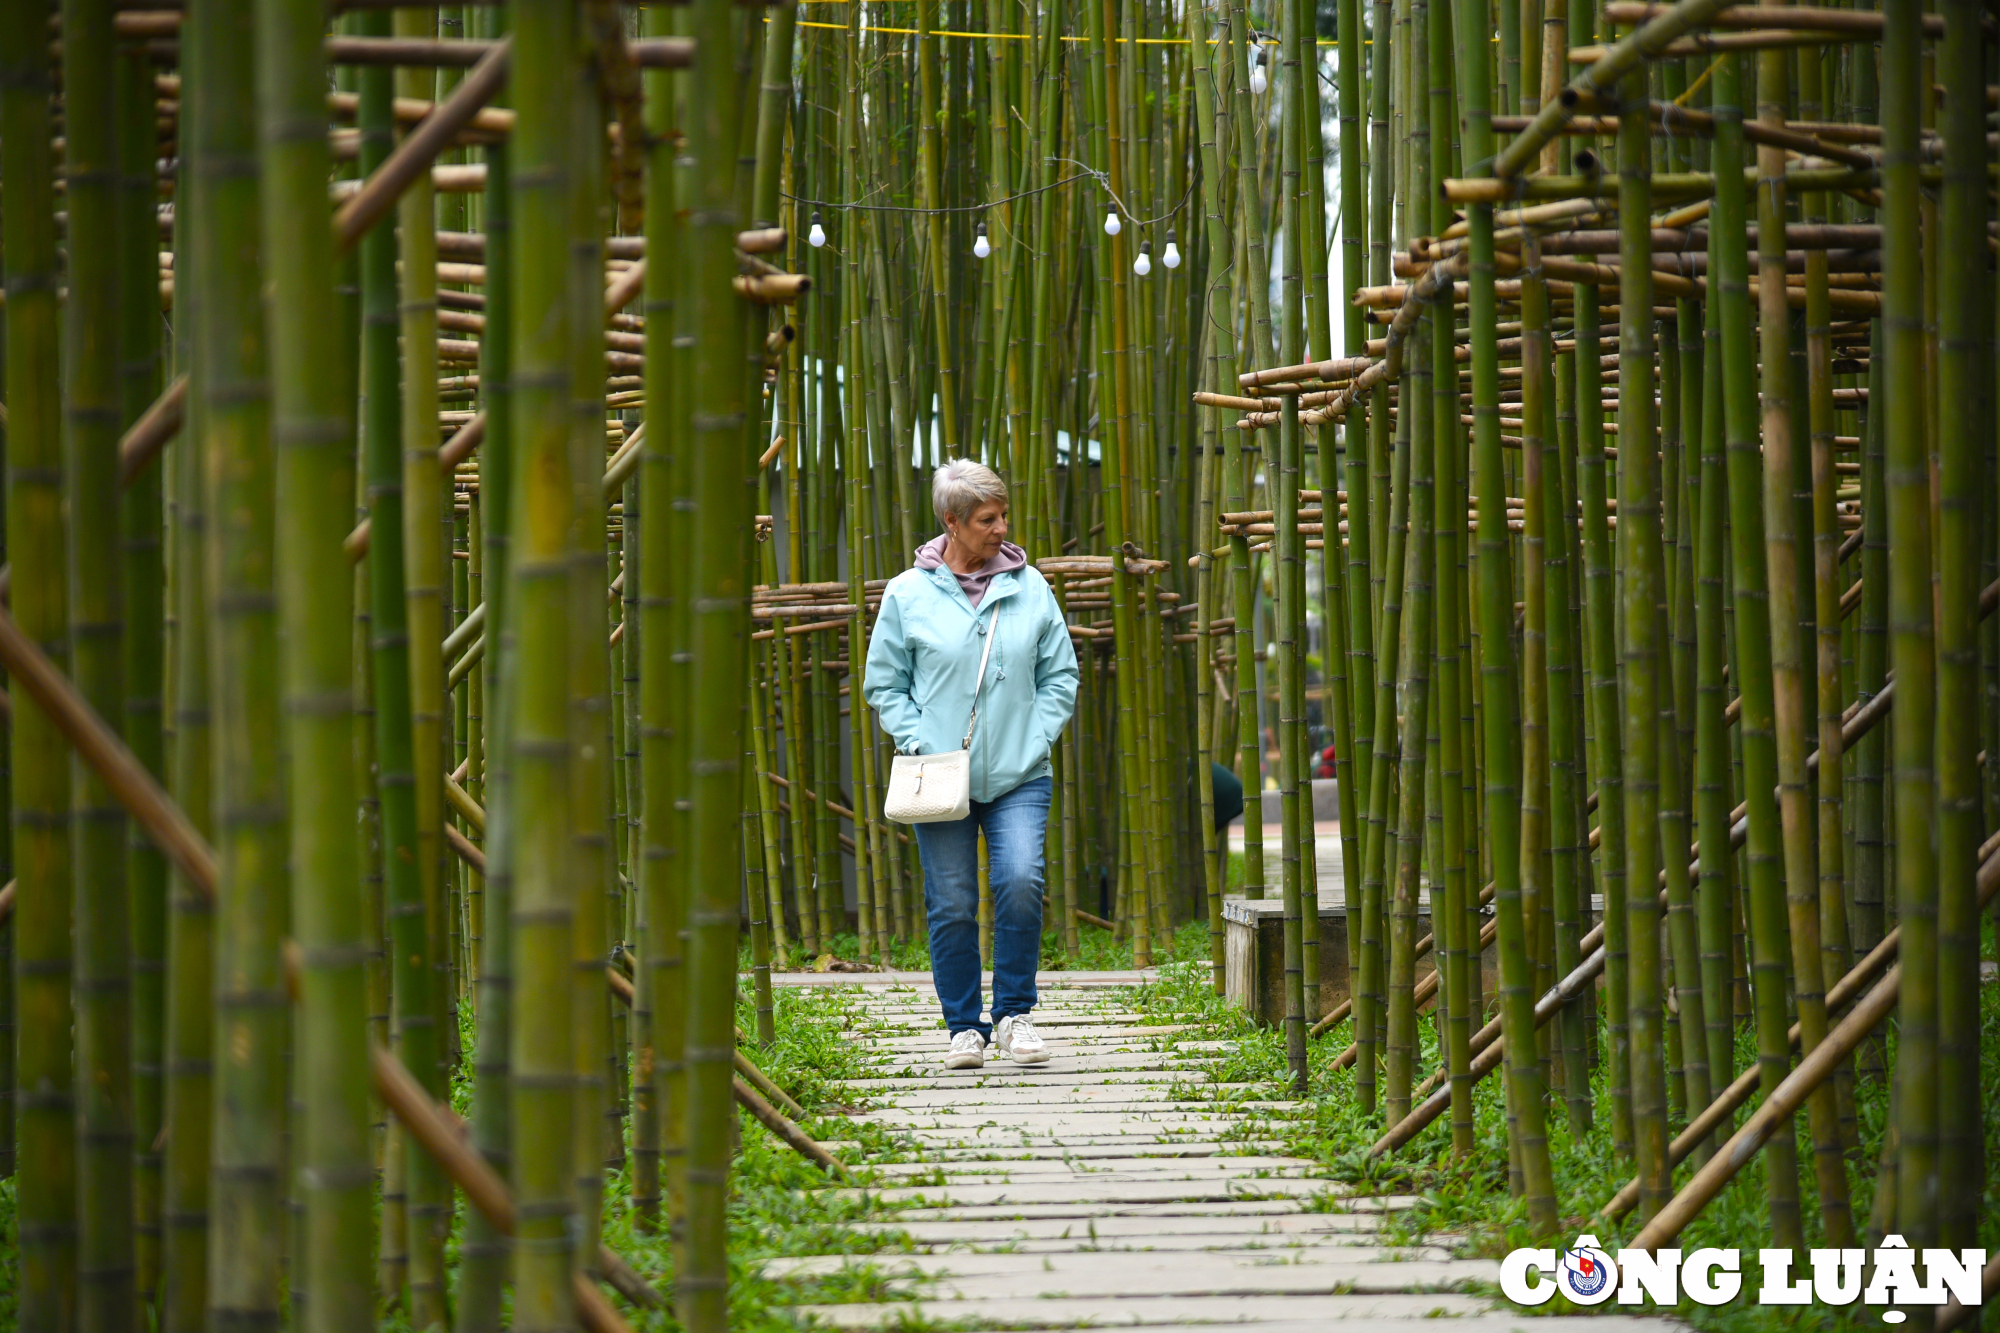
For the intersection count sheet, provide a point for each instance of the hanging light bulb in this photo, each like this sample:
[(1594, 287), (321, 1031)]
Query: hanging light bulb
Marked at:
[(1259, 80), (1172, 257), (981, 247), (1112, 226), (1144, 263), (817, 236)]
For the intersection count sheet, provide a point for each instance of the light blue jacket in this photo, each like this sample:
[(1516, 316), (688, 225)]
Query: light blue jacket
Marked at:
[(923, 658)]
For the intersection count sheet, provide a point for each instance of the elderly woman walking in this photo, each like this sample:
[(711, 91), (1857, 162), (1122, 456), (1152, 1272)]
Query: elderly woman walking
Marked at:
[(926, 661)]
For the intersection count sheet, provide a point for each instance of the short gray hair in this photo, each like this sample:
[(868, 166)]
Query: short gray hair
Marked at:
[(961, 486)]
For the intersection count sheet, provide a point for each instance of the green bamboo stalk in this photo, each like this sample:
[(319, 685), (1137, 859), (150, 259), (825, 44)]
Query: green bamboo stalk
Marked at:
[(1828, 692), (1370, 977), (46, 1184), (312, 431), (424, 501), (598, 1139), (190, 944), (141, 521), (722, 441), (543, 537), (1601, 676), (1537, 805), (1502, 822), (1753, 637), (1715, 858), (1289, 548), (91, 420), (471, 739), (1642, 590), (1114, 396), (1357, 213), (858, 382), (1792, 706), (1568, 836), (1689, 1028), (251, 1021), (482, 1249), (1965, 317), (767, 813), (664, 470), (1414, 690), (1219, 363), (935, 252)]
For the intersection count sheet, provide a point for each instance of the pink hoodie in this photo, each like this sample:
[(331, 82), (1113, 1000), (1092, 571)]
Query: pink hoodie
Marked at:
[(1011, 557)]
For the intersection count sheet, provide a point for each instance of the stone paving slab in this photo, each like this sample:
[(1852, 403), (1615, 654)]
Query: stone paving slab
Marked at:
[(1372, 1206), (1145, 1273), (1114, 1150), (1088, 1190), (1349, 1228), (949, 1260), (1097, 1168), (1494, 1322), (1079, 980), (1029, 1311), (1038, 1075)]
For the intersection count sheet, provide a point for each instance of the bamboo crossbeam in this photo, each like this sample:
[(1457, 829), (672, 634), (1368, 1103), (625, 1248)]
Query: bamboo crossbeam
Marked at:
[(465, 849), (1804, 18), (1954, 1315), (467, 808), (1603, 77), (790, 1134), (156, 426), (107, 755), (752, 1101), (414, 155), (762, 1082), (431, 1128), (1701, 44)]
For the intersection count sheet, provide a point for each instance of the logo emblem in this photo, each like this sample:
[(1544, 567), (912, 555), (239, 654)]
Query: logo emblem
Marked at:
[(1586, 1274)]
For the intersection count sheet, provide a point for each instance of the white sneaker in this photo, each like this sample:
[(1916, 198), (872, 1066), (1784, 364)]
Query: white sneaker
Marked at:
[(1018, 1041), (968, 1050)]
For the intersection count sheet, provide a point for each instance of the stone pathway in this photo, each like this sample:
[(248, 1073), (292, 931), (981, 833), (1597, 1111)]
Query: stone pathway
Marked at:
[(1119, 1185)]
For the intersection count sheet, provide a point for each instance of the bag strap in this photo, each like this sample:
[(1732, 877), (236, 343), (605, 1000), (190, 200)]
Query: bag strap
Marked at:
[(992, 629)]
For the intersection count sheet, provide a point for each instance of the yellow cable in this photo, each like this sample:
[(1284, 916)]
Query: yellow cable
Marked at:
[(1695, 87)]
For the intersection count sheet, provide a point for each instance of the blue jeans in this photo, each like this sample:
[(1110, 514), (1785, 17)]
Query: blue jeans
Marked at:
[(1015, 826)]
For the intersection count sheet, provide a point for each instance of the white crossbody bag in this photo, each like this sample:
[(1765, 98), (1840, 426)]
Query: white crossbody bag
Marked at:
[(937, 788)]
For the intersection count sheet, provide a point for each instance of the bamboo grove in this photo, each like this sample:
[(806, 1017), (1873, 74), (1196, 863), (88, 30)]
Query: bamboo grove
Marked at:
[(454, 455)]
